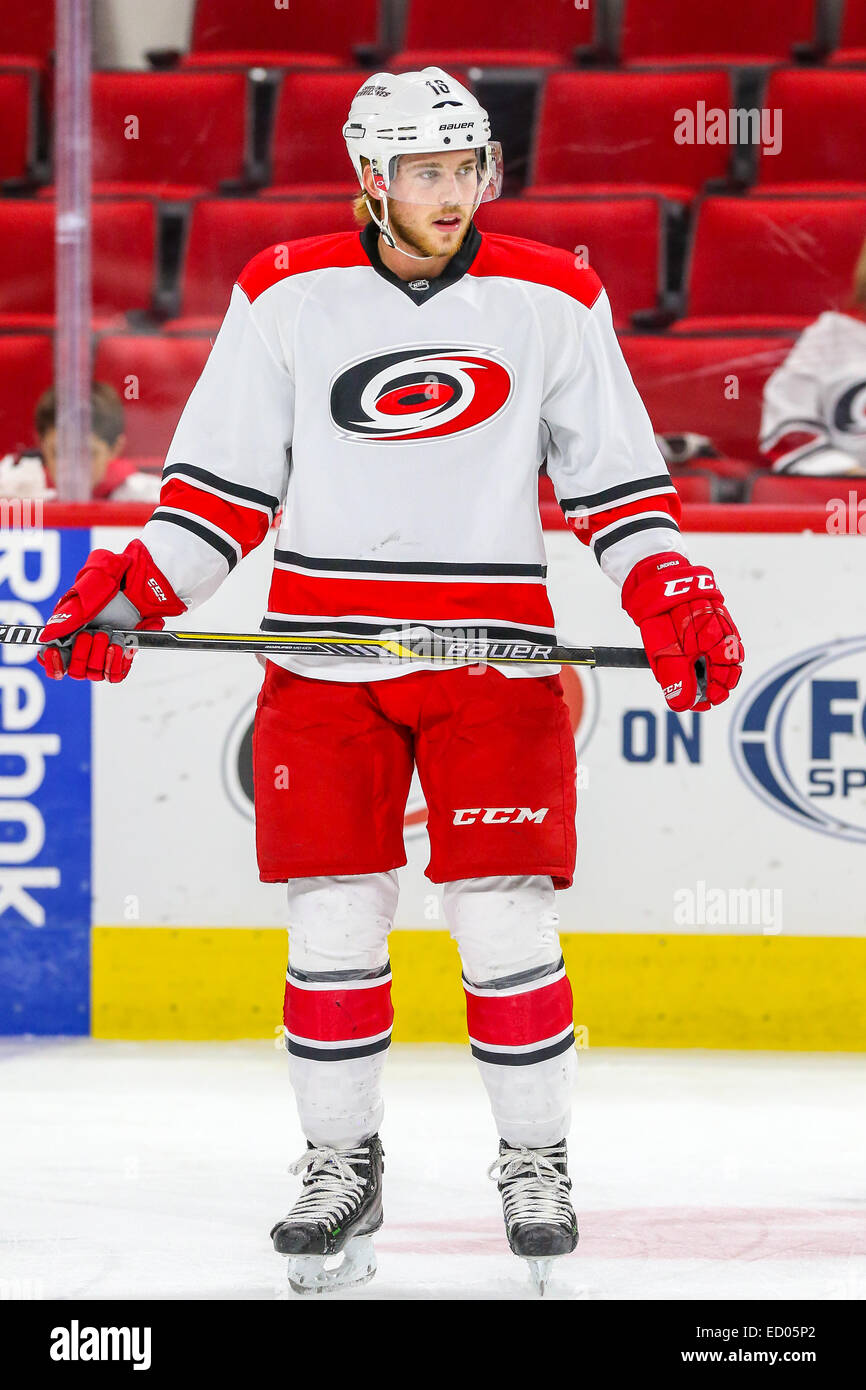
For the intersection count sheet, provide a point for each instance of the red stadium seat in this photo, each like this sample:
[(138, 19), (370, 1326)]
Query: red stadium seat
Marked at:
[(26, 369), (779, 490), (124, 249), (738, 31), (27, 33), (224, 235), (189, 137), (17, 118), (154, 375), (824, 144), (695, 487), (709, 386), (614, 132), (308, 150), (303, 33), (620, 237), (493, 33), (852, 39), (771, 263)]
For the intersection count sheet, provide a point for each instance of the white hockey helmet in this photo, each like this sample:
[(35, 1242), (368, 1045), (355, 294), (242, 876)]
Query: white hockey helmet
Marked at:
[(419, 113)]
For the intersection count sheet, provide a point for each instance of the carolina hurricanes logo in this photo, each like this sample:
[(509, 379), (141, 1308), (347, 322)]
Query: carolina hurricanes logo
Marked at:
[(420, 393), (849, 411)]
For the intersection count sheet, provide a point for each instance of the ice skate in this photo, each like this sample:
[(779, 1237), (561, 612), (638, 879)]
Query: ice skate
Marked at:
[(539, 1219), (327, 1234)]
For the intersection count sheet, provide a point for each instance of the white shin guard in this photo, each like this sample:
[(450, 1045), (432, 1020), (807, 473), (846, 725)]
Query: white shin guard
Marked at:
[(338, 937), (505, 929)]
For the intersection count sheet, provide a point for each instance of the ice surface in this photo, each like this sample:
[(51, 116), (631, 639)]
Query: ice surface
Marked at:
[(156, 1170)]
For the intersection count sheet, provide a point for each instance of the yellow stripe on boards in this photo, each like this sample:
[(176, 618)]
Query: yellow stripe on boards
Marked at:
[(801, 993)]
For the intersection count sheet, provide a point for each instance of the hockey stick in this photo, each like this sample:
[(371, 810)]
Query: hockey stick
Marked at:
[(431, 646)]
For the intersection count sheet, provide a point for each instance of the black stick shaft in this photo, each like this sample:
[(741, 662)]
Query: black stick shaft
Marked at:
[(437, 648)]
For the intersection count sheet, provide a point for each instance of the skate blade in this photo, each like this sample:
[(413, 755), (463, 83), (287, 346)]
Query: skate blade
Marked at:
[(353, 1266), (539, 1273)]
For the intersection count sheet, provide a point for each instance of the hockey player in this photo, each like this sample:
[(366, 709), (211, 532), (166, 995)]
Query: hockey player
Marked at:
[(814, 415), (395, 392)]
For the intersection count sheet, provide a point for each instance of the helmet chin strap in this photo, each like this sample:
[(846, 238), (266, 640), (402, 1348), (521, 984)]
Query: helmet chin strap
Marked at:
[(383, 223), (385, 229)]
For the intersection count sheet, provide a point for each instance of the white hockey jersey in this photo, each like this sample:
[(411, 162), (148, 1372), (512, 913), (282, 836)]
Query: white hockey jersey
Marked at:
[(400, 427), (814, 416)]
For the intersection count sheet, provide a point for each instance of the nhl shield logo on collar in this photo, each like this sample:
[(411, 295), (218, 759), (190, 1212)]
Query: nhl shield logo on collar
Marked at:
[(419, 285)]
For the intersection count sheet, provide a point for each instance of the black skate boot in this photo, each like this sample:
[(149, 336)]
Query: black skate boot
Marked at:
[(539, 1219), (327, 1233)]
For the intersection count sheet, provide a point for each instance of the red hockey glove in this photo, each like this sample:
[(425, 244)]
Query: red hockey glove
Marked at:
[(684, 622), (111, 592)]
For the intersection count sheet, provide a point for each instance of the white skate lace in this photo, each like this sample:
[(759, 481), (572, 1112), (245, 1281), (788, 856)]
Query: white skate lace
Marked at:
[(332, 1188), (534, 1191)]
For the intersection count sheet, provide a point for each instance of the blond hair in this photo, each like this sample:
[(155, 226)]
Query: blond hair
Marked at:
[(859, 285), (360, 210)]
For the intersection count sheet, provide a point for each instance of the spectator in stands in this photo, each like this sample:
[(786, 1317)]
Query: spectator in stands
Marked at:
[(114, 478), (814, 416)]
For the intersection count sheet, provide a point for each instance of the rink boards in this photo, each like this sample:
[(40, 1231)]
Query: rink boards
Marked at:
[(718, 899)]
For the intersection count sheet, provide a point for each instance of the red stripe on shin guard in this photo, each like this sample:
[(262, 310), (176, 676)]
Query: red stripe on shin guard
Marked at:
[(338, 1015), (518, 1020)]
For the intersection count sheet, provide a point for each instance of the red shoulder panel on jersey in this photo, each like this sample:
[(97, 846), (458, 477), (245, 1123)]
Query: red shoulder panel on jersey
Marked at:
[(520, 259), (287, 258)]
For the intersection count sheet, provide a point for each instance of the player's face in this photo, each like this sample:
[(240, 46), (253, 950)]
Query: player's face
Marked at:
[(431, 201)]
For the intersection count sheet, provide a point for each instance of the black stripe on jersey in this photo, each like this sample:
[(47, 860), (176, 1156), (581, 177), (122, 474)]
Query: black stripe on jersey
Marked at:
[(337, 1054), (338, 976), (629, 528), (234, 490), (291, 557), (796, 456), (523, 977), (524, 1059), (337, 628), (200, 529), (611, 496), (794, 426)]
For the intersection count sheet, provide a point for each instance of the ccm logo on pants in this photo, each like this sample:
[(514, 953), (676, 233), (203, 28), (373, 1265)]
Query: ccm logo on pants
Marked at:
[(499, 815)]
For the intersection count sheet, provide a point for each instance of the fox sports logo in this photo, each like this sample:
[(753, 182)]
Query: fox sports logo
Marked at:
[(799, 739), (419, 393)]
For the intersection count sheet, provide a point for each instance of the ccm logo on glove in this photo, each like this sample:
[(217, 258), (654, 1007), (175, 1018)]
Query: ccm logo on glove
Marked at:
[(675, 588), (686, 629), (91, 655)]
